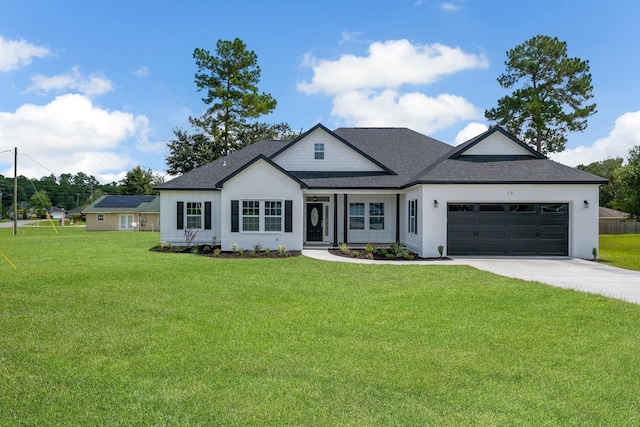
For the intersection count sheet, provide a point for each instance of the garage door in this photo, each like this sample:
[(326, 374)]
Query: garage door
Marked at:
[(507, 229)]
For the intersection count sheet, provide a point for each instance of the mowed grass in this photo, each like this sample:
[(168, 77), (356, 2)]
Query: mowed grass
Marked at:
[(621, 250), (97, 330)]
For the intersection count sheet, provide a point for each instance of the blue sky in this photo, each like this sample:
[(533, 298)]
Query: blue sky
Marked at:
[(98, 87)]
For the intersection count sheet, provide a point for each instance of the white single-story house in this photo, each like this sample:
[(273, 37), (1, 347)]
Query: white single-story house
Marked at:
[(123, 213), (492, 195)]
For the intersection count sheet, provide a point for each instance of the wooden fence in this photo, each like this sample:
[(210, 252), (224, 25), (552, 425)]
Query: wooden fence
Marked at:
[(630, 227)]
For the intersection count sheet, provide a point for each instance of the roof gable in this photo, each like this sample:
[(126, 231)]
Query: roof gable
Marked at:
[(495, 142), (338, 154), (262, 157)]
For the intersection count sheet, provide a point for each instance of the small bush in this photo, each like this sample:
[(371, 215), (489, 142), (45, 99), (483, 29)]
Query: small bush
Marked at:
[(370, 248), (282, 251), (267, 251), (355, 254), (216, 252), (196, 249), (344, 248), (440, 250)]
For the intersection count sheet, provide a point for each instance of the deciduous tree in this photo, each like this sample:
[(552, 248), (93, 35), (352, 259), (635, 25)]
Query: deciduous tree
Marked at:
[(139, 181), (550, 94), (628, 176), (606, 169)]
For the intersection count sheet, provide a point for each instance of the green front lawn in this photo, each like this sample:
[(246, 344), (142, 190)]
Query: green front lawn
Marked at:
[(97, 330), (621, 250)]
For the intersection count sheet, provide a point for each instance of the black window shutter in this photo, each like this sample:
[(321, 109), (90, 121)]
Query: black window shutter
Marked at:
[(180, 215), (288, 216), (235, 216), (409, 216), (207, 215)]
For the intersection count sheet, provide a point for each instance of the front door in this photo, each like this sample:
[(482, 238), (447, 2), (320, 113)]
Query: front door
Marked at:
[(314, 222)]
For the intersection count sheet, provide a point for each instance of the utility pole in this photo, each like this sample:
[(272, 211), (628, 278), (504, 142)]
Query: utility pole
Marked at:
[(15, 192)]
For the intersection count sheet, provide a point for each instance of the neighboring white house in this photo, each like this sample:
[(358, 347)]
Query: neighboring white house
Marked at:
[(492, 195)]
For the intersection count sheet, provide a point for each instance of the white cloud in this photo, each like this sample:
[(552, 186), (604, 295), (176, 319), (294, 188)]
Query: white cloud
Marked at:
[(366, 91), (141, 72), (413, 110), (73, 80), (349, 36), (70, 135), (470, 131), (389, 64), (625, 135), (15, 54), (450, 7)]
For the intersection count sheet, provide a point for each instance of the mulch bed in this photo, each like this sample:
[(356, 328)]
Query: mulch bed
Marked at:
[(207, 250), (362, 254)]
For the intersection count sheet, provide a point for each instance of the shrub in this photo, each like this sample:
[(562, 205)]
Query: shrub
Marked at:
[(234, 247), (370, 248), (257, 247), (267, 251), (282, 251), (216, 252), (355, 254), (440, 250), (344, 248), (594, 251), (190, 235), (196, 249)]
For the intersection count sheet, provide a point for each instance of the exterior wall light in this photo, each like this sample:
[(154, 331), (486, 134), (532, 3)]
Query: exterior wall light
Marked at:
[(435, 203), (586, 203)]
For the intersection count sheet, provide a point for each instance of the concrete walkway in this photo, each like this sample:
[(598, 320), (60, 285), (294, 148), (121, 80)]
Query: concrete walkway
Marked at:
[(570, 273)]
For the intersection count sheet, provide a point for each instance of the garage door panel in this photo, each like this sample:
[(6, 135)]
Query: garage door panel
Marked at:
[(508, 229)]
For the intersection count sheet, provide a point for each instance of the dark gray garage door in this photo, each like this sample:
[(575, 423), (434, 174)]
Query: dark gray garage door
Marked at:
[(507, 229)]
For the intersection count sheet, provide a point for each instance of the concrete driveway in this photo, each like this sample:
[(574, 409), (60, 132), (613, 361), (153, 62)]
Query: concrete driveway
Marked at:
[(571, 273)]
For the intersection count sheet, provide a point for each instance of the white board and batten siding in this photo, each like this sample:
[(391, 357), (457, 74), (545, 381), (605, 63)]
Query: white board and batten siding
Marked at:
[(168, 214), (337, 156), (262, 182), (583, 221)]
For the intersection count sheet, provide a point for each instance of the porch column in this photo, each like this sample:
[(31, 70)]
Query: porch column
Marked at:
[(397, 218), (335, 220), (346, 218)]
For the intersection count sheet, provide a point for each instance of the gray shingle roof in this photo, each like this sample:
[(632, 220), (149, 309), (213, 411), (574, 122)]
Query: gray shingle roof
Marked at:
[(108, 204), (407, 156)]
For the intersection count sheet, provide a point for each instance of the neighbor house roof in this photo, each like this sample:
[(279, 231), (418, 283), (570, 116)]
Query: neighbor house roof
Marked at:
[(611, 213), (131, 204), (405, 158)]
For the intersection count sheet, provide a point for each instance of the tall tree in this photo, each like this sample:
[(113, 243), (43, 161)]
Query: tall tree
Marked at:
[(139, 181), (628, 176), (550, 93), (606, 169), (230, 81)]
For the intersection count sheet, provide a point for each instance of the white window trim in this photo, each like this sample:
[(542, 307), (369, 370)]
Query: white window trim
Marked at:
[(187, 215), (262, 216), (318, 151), (367, 217), (100, 217)]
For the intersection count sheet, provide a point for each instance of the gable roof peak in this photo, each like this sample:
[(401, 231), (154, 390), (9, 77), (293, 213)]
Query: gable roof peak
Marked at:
[(460, 149)]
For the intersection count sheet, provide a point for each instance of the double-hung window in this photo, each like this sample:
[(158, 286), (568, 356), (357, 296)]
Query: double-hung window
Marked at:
[(273, 215), (250, 215), (356, 216), (318, 150), (413, 205), (376, 216), (194, 215)]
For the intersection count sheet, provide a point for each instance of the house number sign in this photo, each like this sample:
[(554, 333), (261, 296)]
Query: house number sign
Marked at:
[(314, 216)]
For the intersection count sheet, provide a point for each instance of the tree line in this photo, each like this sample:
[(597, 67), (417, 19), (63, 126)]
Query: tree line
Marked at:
[(69, 191)]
